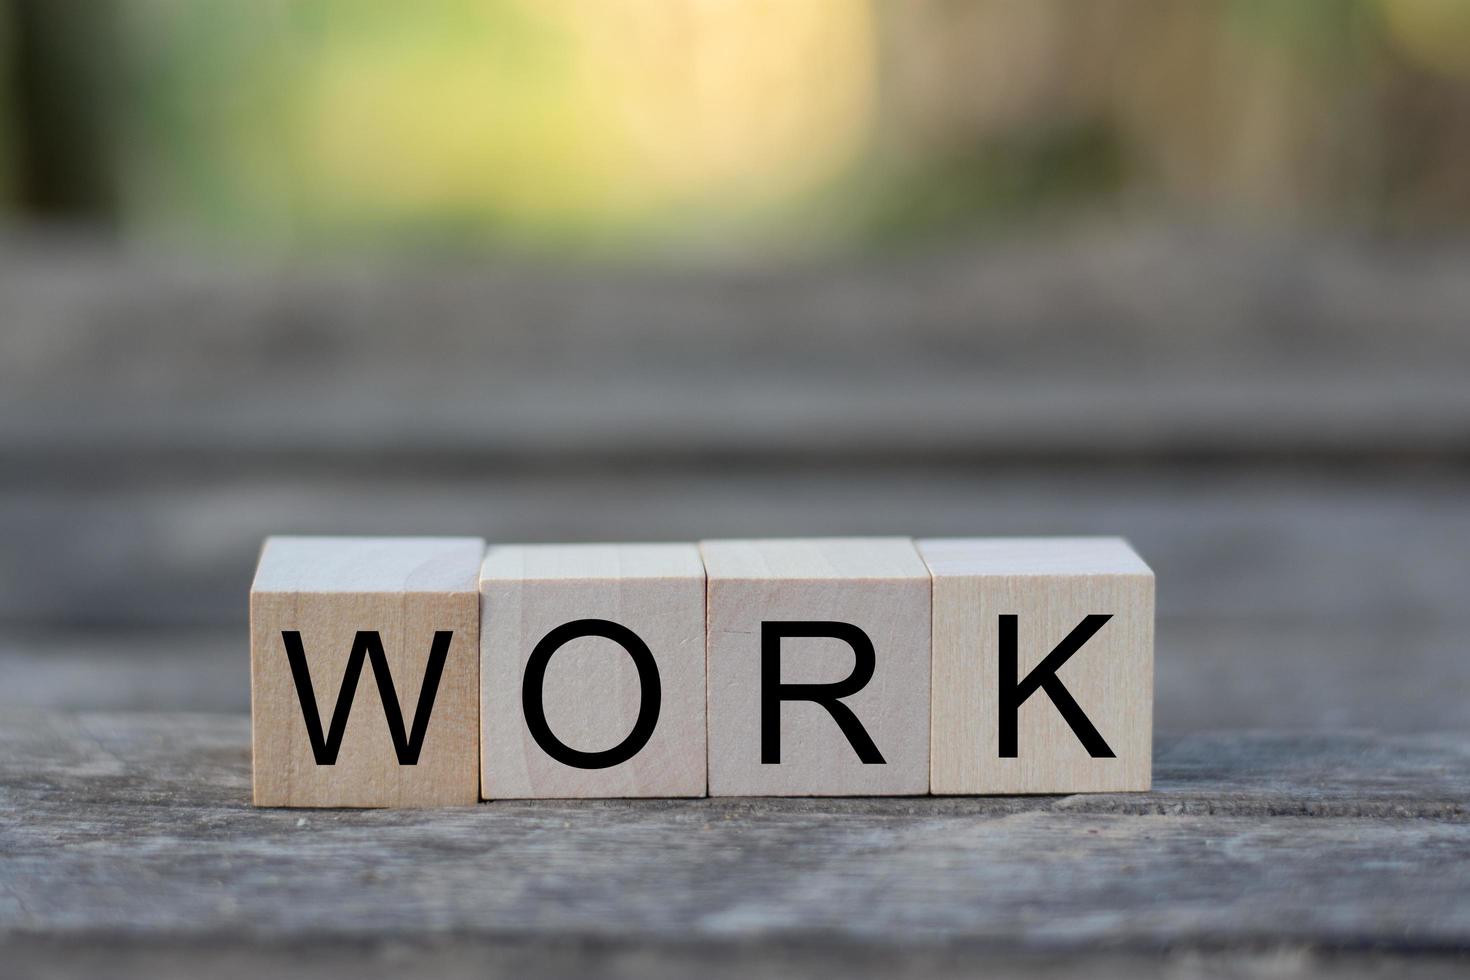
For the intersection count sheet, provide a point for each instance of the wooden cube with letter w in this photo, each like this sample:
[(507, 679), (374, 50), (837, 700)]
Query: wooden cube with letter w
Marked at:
[(364, 661)]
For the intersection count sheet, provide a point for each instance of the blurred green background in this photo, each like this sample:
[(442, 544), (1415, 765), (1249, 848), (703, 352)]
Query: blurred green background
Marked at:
[(679, 126)]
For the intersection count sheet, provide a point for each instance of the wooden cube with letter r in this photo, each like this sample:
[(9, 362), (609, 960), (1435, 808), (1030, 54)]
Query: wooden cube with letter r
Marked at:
[(818, 667), (1043, 665), (364, 671)]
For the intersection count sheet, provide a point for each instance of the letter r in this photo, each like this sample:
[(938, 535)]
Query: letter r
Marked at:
[(773, 692)]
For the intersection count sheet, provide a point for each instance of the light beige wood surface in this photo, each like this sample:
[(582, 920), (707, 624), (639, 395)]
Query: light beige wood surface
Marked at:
[(591, 693), (1050, 585), (879, 585), (328, 589)]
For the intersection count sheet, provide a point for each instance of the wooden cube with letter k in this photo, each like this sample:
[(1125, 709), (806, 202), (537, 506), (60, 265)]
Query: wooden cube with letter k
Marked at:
[(364, 665), (1043, 665)]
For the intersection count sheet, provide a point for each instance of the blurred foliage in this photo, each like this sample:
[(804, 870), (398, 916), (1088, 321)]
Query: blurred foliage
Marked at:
[(496, 118), (8, 135), (61, 99), (1435, 33), (610, 124)]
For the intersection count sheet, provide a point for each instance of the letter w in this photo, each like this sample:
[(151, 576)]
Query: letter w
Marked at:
[(366, 644)]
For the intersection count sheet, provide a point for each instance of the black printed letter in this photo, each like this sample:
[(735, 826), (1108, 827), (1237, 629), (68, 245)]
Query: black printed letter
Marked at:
[(773, 692), (366, 644), (648, 682), (1044, 676)]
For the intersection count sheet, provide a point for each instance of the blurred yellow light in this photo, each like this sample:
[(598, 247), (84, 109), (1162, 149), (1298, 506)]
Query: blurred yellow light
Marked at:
[(593, 110), (1435, 33)]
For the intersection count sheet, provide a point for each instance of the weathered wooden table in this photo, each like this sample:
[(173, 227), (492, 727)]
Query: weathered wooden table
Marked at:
[(1282, 428), (129, 844)]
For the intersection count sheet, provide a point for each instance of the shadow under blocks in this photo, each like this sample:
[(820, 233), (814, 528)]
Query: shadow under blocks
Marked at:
[(394, 672)]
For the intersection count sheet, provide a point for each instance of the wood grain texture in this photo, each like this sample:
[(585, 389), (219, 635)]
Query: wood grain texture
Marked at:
[(136, 829), (473, 958), (984, 385), (1050, 585), (591, 694), (878, 585), (1373, 546), (976, 350), (327, 590)]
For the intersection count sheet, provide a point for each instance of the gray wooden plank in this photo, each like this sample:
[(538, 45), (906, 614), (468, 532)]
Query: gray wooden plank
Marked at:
[(139, 825), (143, 756), (538, 413), (1280, 425), (1374, 547), (130, 670), (472, 958), (1126, 342), (82, 304)]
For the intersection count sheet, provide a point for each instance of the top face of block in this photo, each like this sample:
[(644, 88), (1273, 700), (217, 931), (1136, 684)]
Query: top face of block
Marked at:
[(332, 565), (582, 562), (1031, 556), (854, 559)]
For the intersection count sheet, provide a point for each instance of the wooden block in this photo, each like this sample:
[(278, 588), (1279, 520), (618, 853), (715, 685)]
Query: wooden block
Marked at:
[(592, 671), (864, 653), (374, 619), (1051, 639)]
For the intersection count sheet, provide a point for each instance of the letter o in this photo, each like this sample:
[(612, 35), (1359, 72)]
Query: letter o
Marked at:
[(651, 694)]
